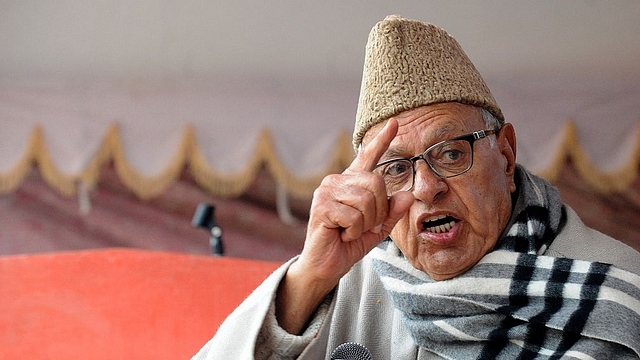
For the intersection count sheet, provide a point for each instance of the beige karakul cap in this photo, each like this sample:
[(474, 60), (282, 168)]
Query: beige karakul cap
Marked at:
[(409, 64)]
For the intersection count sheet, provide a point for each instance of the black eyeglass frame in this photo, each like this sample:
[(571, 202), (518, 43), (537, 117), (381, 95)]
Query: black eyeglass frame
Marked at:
[(470, 138)]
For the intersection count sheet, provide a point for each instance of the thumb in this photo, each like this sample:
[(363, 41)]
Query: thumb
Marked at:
[(399, 205)]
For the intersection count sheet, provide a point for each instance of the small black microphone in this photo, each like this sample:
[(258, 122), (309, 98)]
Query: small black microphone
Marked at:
[(204, 217), (351, 351)]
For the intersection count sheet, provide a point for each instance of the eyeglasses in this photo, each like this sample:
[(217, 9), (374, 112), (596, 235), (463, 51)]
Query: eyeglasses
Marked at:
[(447, 159)]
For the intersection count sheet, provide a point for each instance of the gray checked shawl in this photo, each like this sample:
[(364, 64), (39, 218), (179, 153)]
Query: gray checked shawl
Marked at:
[(516, 303)]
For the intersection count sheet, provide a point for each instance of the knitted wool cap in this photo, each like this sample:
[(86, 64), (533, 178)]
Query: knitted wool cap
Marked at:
[(409, 64)]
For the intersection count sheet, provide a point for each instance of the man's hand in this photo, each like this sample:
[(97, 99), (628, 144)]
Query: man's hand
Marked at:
[(350, 214)]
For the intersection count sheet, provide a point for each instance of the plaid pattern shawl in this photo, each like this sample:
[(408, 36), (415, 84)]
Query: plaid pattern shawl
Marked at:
[(516, 303)]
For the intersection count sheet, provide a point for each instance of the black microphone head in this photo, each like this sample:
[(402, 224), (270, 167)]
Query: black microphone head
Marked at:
[(204, 216), (351, 351)]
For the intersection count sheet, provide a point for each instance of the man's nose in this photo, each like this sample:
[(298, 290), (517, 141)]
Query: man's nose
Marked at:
[(427, 185)]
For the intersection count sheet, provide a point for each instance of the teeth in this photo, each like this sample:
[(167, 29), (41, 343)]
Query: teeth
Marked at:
[(442, 228), (437, 218)]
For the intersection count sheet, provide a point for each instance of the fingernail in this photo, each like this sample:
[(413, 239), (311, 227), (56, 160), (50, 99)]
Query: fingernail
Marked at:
[(377, 229)]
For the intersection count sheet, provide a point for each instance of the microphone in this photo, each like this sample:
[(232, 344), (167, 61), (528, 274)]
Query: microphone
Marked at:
[(204, 217), (351, 351)]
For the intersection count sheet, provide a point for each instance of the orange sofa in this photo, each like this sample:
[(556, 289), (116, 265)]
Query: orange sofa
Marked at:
[(118, 304)]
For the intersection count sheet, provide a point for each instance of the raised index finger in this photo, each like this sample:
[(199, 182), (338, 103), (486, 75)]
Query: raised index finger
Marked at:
[(370, 155)]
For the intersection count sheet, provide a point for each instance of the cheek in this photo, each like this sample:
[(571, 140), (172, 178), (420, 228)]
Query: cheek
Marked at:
[(489, 205), (401, 234)]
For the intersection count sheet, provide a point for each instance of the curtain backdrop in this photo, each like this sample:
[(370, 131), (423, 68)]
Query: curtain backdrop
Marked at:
[(222, 132)]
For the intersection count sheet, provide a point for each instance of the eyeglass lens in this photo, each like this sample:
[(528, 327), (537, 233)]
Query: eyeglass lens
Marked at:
[(446, 159)]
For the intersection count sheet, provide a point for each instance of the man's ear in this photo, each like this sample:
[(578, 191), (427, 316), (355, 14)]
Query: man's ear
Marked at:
[(508, 148)]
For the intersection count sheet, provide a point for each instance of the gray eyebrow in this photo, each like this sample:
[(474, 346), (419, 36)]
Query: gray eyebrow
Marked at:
[(443, 130)]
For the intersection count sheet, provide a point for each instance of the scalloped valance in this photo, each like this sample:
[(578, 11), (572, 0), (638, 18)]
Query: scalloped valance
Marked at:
[(224, 132)]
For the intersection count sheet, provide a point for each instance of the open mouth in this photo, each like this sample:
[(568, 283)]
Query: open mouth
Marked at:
[(440, 224)]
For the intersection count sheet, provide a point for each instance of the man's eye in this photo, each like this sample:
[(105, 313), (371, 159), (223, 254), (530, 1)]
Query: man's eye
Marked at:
[(397, 168), (451, 155)]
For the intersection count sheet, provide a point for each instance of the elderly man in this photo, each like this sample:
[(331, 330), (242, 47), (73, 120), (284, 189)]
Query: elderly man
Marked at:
[(435, 243)]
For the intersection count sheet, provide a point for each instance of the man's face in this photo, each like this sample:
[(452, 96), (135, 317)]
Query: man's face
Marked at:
[(453, 222)]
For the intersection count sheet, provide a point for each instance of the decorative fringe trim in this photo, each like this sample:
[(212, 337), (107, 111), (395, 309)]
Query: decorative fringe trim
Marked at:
[(37, 155), (615, 181), (188, 155)]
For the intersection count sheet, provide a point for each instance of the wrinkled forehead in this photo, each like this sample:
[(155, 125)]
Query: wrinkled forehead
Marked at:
[(465, 117)]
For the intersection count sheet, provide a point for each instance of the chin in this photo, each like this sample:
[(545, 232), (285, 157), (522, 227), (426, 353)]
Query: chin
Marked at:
[(444, 266)]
